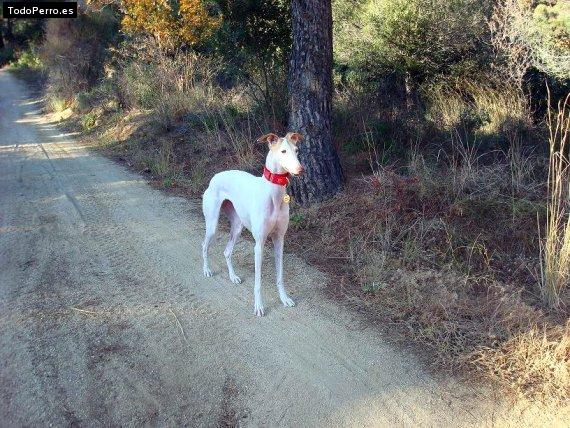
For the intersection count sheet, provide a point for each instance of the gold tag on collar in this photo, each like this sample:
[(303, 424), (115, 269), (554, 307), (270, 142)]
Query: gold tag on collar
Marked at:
[(286, 198)]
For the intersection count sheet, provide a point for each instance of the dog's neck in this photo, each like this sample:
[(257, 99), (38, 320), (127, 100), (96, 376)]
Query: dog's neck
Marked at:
[(273, 165), (277, 191)]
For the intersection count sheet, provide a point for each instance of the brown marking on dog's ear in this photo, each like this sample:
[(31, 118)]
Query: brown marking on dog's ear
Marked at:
[(268, 138), (294, 137)]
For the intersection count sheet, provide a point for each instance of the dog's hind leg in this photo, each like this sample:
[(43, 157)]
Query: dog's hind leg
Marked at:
[(211, 207), (235, 230)]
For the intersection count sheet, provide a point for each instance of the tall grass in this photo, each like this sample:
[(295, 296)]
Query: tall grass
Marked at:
[(186, 84), (491, 110), (555, 246)]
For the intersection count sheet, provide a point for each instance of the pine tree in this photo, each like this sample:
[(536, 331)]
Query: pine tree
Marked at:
[(310, 87)]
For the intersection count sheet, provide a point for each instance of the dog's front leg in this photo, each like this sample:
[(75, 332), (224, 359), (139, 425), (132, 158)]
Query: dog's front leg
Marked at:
[(258, 304), (278, 241)]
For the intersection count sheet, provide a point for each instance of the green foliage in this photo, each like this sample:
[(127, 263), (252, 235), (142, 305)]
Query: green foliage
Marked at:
[(89, 120), (427, 39), (297, 219), (373, 287), (26, 31), (83, 101), (17, 35), (28, 59), (254, 30), (555, 20), (169, 182), (104, 94), (551, 37), (139, 84), (526, 36), (254, 42)]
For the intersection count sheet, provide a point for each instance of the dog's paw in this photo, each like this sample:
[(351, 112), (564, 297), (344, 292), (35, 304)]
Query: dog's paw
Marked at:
[(287, 301), (235, 279), (258, 309), (207, 272)]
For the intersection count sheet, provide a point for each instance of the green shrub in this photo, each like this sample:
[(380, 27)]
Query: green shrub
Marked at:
[(28, 59), (425, 39), (83, 101), (185, 87), (139, 85), (531, 35), (254, 31), (104, 95), (89, 120)]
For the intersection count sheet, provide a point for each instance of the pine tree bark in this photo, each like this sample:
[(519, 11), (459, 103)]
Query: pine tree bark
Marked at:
[(410, 92), (9, 34), (310, 89)]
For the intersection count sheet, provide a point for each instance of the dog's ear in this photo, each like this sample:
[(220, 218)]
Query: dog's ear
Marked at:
[(294, 137), (268, 138)]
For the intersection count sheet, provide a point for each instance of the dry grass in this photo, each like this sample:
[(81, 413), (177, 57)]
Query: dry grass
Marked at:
[(443, 257), (536, 360), (555, 247), (484, 109), (505, 109), (227, 128), (185, 85), (447, 107), (181, 128), (522, 164), (186, 99)]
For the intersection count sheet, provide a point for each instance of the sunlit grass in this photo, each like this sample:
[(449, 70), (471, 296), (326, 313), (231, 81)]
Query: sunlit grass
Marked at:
[(555, 246)]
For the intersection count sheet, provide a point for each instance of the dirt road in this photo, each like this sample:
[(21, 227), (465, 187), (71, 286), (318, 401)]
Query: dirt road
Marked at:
[(105, 318)]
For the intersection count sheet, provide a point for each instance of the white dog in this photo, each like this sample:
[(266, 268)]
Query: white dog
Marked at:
[(261, 204)]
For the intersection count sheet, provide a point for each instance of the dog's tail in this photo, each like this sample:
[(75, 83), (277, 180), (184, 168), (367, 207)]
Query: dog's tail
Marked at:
[(211, 205)]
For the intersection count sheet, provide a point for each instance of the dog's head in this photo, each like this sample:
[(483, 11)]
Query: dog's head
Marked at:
[(284, 150)]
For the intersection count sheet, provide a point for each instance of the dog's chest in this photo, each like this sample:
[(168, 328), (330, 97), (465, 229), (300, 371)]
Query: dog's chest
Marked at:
[(278, 212)]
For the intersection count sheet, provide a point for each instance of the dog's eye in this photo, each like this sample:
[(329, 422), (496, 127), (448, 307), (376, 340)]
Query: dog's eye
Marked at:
[(283, 151)]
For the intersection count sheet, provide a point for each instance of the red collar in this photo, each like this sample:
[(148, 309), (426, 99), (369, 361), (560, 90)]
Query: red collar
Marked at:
[(281, 179)]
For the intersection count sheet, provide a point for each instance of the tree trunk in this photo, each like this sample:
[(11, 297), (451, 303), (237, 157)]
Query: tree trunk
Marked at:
[(9, 35), (310, 89), (410, 92)]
